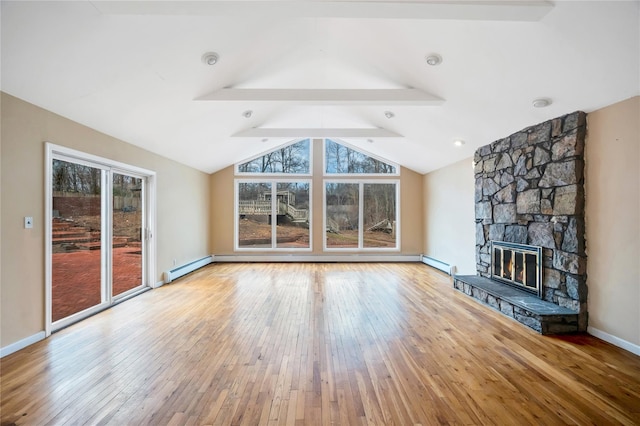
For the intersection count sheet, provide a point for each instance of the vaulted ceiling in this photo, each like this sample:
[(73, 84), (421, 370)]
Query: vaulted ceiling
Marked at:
[(291, 69)]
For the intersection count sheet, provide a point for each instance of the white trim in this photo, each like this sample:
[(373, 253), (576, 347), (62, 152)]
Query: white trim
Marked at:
[(438, 264), (347, 258), (309, 132), (129, 294), (614, 340), (367, 97), (159, 284), (78, 316), (106, 237), (48, 237), (21, 344), (93, 160), (527, 11), (150, 237)]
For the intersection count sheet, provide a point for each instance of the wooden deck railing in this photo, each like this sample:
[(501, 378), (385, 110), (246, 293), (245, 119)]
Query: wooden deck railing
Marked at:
[(259, 207)]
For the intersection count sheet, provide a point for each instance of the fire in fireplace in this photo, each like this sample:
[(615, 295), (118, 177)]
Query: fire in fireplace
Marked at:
[(517, 265)]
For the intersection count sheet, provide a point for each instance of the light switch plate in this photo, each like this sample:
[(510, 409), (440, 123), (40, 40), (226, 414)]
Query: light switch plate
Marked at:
[(28, 222)]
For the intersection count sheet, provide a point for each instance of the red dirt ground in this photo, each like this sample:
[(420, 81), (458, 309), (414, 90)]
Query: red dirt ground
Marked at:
[(76, 278), (254, 234)]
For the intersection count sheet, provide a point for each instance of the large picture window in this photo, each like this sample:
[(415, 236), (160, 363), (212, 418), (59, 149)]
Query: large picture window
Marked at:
[(273, 214), (273, 207), (361, 215)]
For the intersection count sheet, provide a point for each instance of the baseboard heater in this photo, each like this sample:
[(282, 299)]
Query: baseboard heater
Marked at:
[(185, 269), (438, 264)]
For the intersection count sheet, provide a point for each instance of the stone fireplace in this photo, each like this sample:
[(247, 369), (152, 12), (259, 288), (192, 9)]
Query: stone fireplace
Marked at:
[(529, 192)]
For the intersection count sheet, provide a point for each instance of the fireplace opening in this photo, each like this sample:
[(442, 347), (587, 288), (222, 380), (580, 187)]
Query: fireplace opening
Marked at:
[(517, 265)]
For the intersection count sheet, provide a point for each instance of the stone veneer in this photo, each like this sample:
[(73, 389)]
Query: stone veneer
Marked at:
[(529, 190)]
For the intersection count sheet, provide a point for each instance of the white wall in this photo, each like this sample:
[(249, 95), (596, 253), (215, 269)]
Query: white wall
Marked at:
[(612, 187), (449, 210)]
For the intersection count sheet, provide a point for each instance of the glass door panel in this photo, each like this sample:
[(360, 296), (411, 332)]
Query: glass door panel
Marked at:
[(127, 221), (76, 241)]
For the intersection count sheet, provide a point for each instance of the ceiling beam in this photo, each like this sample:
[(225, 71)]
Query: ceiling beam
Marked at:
[(507, 10), (327, 96), (264, 132)]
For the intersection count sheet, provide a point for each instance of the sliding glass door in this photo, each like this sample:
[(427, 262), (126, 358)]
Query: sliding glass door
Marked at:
[(98, 235)]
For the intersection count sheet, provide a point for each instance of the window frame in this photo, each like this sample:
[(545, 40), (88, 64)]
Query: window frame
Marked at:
[(274, 181), (361, 183), (361, 151)]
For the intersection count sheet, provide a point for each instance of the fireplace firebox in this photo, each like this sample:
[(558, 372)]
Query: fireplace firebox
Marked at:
[(517, 265)]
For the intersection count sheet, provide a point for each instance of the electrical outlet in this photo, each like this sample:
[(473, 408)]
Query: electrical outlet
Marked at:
[(28, 222), (175, 262)]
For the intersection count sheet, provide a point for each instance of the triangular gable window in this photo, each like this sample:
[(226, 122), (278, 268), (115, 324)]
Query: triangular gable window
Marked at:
[(293, 158), (341, 159)]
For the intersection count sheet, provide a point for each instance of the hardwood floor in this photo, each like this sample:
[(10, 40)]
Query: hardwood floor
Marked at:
[(294, 344)]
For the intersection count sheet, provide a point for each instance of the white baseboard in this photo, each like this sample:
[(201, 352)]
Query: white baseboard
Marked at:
[(621, 343), (182, 270), (438, 264), (316, 258), (21, 344)]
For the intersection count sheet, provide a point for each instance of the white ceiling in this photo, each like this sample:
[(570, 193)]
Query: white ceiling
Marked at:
[(133, 70)]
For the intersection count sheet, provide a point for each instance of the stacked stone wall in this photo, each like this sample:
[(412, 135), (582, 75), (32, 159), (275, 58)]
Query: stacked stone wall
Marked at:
[(529, 189), (77, 206)]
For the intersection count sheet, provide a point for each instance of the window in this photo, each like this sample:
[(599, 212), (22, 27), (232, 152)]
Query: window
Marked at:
[(273, 214), (293, 158), (273, 208), (361, 215), (341, 159)]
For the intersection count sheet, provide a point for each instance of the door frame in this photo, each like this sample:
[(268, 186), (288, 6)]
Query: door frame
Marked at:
[(53, 152)]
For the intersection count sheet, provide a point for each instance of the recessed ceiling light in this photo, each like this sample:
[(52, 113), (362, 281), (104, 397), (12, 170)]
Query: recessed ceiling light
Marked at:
[(370, 140), (458, 142), (265, 139), (389, 114), (541, 103), (247, 113), (433, 59), (210, 58)]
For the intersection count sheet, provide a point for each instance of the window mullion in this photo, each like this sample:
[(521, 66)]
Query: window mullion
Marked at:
[(360, 215), (274, 214)]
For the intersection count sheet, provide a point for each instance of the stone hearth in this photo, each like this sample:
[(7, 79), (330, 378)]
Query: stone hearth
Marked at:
[(529, 190)]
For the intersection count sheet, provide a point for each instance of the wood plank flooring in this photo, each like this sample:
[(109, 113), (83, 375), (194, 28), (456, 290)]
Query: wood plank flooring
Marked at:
[(298, 344)]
